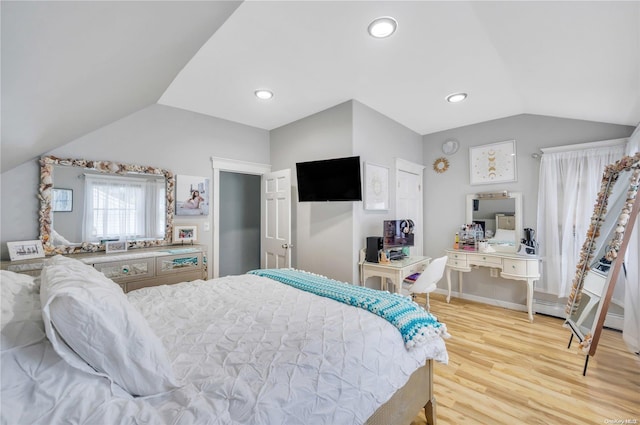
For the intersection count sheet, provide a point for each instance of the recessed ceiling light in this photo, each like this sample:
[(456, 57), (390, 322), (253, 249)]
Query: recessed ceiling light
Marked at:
[(264, 94), (456, 97), (382, 27)]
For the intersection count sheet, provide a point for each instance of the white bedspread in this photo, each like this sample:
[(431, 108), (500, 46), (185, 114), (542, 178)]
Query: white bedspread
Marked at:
[(247, 349)]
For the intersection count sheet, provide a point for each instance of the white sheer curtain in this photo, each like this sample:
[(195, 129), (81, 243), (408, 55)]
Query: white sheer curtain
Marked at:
[(631, 325), (568, 186), (114, 207)]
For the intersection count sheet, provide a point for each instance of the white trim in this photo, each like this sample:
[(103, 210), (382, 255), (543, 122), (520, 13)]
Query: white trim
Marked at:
[(408, 166), (234, 166), (582, 146), (237, 166)]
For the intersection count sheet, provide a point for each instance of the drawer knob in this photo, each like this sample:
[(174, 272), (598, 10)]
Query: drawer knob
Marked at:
[(125, 269)]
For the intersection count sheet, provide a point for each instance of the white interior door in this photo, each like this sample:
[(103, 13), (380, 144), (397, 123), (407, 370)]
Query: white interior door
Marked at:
[(409, 199), (276, 220)]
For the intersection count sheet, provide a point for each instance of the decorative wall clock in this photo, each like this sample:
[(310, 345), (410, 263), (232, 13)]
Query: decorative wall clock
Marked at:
[(450, 146), (493, 163), (441, 165)]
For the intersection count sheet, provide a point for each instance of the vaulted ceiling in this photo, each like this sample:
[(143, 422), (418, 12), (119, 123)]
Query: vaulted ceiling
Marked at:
[(69, 68)]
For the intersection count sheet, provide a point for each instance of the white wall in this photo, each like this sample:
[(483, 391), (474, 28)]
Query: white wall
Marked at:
[(159, 136), (445, 193)]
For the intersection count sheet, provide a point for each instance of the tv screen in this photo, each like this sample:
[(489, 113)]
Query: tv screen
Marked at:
[(329, 180)]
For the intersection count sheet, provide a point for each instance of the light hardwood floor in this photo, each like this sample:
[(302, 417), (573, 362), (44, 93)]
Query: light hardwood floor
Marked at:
[(505, 370)]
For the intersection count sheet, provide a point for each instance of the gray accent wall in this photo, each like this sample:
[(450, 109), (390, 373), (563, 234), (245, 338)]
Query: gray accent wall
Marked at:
[(239, 223), (160, 136), (329, 235), (445, 193), (322, 232)]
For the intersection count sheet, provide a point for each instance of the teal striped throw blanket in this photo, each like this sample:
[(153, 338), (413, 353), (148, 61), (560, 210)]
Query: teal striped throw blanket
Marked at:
[(416, 325)]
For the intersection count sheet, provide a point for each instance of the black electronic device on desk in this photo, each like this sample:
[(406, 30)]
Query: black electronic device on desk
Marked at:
[(374, 246)]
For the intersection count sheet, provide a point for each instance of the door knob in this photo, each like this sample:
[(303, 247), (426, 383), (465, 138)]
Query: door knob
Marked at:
[(287, 246)]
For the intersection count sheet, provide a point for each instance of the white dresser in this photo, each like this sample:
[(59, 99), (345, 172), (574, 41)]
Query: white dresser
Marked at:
[(136, 269), (512, 266)]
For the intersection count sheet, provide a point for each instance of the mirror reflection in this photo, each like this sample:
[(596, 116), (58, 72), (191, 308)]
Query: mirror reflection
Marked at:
[(603, 252), (500, 216), (109, 201)]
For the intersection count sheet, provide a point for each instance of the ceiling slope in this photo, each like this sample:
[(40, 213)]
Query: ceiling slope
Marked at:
[(69, 68)]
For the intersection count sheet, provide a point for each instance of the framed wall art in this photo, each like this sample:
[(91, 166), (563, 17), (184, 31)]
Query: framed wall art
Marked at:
[(493, 163), (185, 233), (61, 200), (24, 250), (376, 187), (192, 195)]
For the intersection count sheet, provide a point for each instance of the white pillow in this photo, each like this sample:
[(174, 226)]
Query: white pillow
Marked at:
[(21, 321), (88, 319)]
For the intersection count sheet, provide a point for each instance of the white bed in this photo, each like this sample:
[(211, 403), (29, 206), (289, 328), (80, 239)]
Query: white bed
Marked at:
[(241, 350)]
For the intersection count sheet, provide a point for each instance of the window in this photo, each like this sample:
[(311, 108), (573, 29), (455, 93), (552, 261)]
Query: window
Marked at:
[(120, 207)]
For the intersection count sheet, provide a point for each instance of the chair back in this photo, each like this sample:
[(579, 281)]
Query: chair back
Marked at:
[(430, 276)]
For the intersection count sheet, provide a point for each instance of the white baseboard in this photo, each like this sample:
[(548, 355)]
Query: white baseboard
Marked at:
[(613, 321)]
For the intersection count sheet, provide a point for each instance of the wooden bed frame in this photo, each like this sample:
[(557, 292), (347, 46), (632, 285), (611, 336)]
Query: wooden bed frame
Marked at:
[(405, 404)]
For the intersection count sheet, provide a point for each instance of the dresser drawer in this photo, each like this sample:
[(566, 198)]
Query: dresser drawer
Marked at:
[(128, 270), (179, 263), (484, 260)]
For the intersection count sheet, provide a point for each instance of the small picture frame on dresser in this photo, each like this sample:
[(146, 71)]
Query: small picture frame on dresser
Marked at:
[(25, 250), (115, 246), (185, 233)]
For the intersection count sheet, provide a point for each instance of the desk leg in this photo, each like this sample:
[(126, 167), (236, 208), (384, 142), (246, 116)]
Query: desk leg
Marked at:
[(530, 299), (449, 283), (460, 282)]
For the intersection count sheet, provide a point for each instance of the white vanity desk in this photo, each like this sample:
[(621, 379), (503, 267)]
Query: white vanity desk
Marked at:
[(513, 266)]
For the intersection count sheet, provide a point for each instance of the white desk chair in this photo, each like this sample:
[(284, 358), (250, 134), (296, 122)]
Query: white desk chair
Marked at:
[(427, 282)]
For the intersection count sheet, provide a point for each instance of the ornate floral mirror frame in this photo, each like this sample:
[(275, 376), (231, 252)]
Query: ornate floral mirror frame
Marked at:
[(615, 251), (108, 167)]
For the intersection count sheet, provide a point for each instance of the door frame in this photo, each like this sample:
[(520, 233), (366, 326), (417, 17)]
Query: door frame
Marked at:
[(233, 166)]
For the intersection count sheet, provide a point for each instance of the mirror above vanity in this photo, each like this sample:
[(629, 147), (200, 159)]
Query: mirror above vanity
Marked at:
[(84, 204), (500, 216)]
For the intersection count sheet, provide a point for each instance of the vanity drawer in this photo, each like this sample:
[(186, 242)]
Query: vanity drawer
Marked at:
[(457, 260), (520, 267), (179, 263), (128, 270), (484, 260)]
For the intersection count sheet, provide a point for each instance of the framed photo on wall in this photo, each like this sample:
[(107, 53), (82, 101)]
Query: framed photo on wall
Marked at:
[(192, 195), (24, 250), (185, 233), (493, 163), (376, 187)]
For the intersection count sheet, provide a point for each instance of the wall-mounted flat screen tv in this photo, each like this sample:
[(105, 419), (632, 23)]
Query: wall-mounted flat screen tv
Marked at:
[(329, 180)]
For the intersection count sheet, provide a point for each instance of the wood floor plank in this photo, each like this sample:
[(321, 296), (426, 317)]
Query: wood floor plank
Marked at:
[(504, 370)]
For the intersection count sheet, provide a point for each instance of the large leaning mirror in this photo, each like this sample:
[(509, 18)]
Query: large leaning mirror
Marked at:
[(500, 216), (602, 256), (84, 204)]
